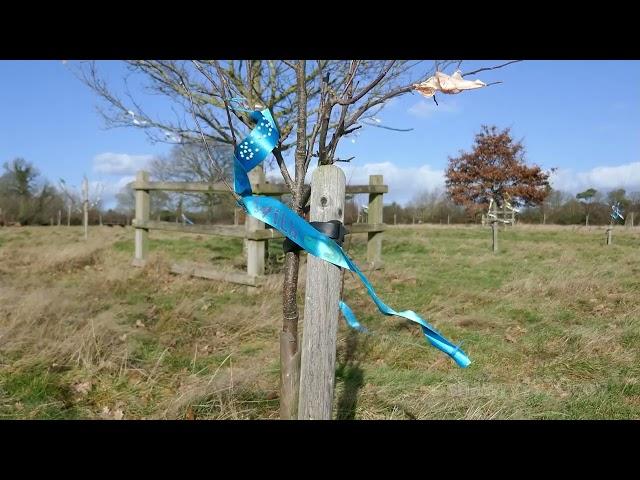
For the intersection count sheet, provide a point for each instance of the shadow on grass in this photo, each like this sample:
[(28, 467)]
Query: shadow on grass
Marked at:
[(351, 373)]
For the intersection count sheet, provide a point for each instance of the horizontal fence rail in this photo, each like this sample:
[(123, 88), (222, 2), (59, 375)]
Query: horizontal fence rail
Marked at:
[(238, 231), (255, 233), (258, 189)]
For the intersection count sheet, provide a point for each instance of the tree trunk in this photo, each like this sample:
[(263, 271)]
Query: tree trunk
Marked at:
[(289, 353)]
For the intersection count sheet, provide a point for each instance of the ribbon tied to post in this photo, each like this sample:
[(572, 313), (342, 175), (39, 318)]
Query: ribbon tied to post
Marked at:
[(249, 153)]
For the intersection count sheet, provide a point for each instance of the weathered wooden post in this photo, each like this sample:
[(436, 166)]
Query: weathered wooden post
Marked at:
[(69, 215), (322, 293), (609, 230), (85, 207), (59, 217), (255, 248), (494, 228), (374, 216), (143, 205)]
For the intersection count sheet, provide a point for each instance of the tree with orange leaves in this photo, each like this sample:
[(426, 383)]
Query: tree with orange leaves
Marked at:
[(495, 169)]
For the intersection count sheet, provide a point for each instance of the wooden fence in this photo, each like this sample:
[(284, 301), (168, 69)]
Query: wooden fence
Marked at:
[(253, 231)]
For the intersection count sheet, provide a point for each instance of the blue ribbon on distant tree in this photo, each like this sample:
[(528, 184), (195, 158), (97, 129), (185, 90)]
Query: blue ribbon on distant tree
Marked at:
[(249, 153), (616, 212)]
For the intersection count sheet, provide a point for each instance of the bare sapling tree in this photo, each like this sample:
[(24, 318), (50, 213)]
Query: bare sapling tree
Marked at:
[(315, 104), (190, 162), (74, 197)]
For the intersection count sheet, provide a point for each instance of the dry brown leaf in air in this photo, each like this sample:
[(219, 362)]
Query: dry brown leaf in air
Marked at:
[(447, 84)]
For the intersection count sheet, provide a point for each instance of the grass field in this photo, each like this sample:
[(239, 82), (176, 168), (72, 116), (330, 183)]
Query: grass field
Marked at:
[(551, 324)]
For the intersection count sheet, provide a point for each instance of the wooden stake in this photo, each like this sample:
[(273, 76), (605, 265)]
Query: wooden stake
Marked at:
[(85, 207), (494, 228), (317, 371), (255, 248), (374, 215), (143, 205)]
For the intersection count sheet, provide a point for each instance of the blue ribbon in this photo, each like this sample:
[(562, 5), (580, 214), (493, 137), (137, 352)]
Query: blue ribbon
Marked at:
[(616, 212), (251, 152)]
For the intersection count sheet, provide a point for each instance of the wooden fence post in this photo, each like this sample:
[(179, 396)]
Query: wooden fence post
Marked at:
[(494, 228), (255, 248), (609, 239), (143, 205), (322, 293), (85, 207), (374, 215)]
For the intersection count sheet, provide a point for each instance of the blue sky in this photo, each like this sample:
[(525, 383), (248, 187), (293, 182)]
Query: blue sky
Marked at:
[(582, 117)]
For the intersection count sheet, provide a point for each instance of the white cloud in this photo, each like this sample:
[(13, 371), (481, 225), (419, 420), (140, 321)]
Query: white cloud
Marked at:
[(404, 182), (109, 189), (625, 176), (120, 163), (426, 109)]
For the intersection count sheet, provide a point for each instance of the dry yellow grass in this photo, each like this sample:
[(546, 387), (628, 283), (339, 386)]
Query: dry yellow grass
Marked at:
[(551, 324)]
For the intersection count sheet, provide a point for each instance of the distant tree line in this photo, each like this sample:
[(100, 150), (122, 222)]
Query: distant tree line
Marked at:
[(562, 208), (495, 168), (26, 198)]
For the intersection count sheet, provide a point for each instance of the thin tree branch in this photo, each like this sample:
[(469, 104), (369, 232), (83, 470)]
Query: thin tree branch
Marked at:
[(489, 68)]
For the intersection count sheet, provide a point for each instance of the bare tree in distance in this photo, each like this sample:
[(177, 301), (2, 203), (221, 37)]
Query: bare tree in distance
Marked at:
[(73, 195), (190, 162), (586, 198), (314, 104)]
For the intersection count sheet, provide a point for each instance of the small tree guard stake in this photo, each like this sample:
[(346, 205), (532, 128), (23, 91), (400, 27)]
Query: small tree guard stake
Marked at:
[(249, 153)]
